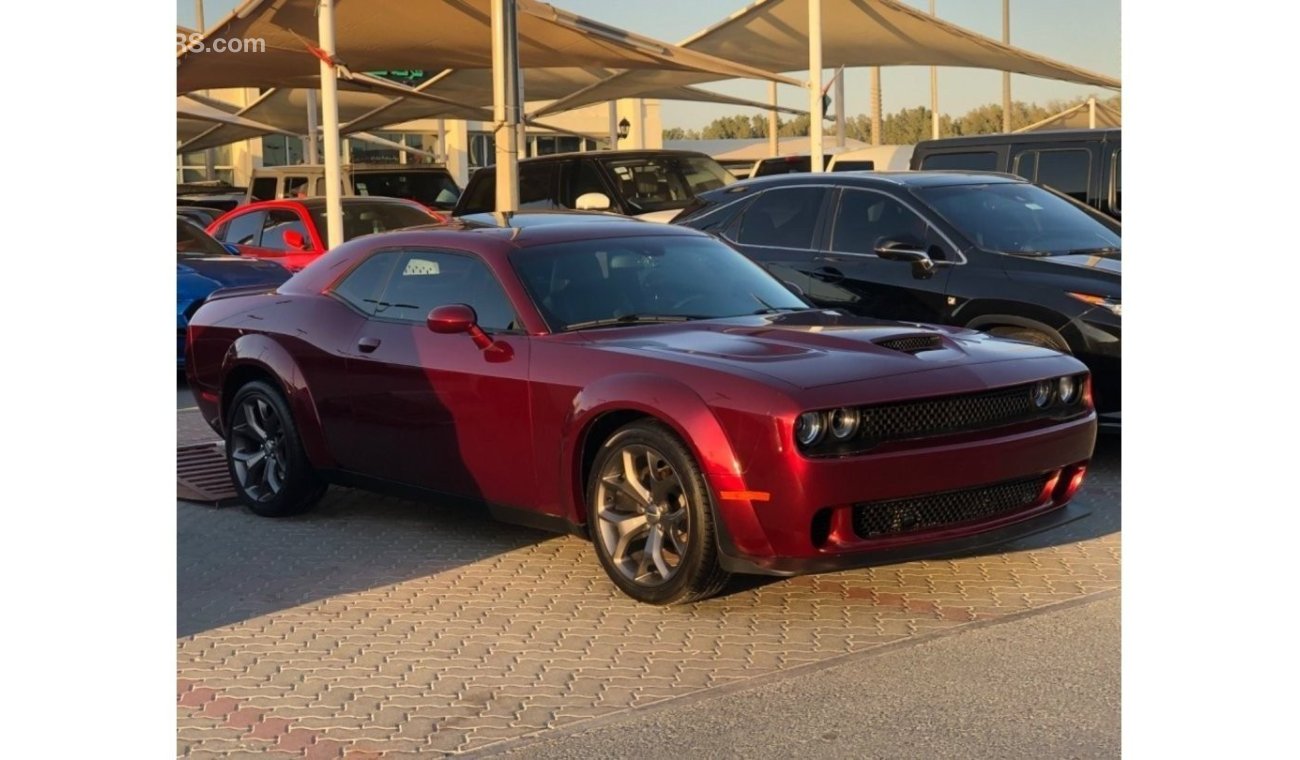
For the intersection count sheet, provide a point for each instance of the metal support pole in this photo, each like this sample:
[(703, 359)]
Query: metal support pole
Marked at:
[(934, 93), (313, 140), (1092, 113), (639, 142), (329, 90), (816, 144), (613, 125), (840, 136), (505, 102), (442, 141), (209, 155), (1006, 75), (877, 121), (773, 126)]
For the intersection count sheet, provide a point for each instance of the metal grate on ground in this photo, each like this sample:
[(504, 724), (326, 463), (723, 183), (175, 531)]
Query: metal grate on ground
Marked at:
[(202, 474)]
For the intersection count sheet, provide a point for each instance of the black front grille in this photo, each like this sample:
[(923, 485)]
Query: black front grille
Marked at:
[(938, 416), (876, 519), (912, 344)]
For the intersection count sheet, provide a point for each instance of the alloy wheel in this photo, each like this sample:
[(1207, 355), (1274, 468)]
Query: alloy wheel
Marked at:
[(258, 449), (644, 517)]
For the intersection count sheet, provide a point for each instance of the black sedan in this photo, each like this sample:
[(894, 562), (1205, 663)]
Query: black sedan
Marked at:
[(986, 251)]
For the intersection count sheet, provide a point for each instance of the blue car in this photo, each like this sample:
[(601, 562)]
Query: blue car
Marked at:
[(202, 266)]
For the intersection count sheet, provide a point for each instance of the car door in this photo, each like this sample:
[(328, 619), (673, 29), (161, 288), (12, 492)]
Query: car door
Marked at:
[(278, 228), (780, 228), (850, 275), (435, 410)]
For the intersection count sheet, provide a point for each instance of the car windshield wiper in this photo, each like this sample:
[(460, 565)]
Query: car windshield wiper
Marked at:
[(633, 319), (1107, 251), (770, 309)]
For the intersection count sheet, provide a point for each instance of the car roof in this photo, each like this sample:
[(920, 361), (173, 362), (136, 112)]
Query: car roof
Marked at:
[(317, 202), (1003, 138), (871, 179), (525, 230)]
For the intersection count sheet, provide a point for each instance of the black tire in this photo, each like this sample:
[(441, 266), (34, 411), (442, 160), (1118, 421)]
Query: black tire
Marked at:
[(675, 505), (1029, 335), (268, 467)]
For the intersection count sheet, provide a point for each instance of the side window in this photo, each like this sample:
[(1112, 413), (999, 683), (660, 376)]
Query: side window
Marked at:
[(362, 285), (1027, 165), (245, 229), (537, 186), (279, 221), (264, 189), (866, 218), (785, 218), (1065, 171), (296, 187), (984, 161), (584, 178), (481, 194), (421, 280)]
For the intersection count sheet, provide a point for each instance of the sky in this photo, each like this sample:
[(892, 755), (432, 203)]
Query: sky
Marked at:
[(1085, 34)]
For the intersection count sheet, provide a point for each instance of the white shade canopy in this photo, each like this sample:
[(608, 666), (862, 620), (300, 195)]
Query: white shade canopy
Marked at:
[(774, 34), (431, 34)]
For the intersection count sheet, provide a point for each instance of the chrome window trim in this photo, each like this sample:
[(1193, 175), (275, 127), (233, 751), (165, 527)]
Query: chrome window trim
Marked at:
[(909, 207)]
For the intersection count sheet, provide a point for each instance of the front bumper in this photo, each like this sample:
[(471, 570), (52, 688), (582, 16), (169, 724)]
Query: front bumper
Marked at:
[(787, 566), (806, 523)]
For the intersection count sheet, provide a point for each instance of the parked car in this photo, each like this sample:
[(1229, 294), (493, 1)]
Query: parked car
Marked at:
[(293, 233), (1081, 163), (215, 194), (984, 251), (202, 266), (200, 215), (650, 184), (643, 384), (877, 158), (428, 184)]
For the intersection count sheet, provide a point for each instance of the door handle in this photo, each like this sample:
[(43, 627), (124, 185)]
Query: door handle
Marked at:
[(366, 345), (829, 274)]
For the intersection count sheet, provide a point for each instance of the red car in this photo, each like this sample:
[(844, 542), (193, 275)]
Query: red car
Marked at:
[(642, 384), (293, 232)]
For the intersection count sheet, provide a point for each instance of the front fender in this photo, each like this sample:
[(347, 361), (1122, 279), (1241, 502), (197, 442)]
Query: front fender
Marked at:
[(254, 353), (682, 409)]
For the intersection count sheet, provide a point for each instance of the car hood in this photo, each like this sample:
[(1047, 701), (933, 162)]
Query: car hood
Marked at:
[(814, 348), (1098, 263), (232, 270)]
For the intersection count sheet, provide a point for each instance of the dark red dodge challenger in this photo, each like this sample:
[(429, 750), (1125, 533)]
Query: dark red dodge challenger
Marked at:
[(641, 384)]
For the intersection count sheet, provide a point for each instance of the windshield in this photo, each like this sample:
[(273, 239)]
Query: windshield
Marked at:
[(369, 217), (193, 241), (656, 183), (644, 278), (433, 189), (1019, 218)]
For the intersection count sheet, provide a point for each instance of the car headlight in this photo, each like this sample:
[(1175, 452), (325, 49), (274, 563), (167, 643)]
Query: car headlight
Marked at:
[(1042, 393), (844, 423), (1110, 304), (809, 428), (1067, 390)]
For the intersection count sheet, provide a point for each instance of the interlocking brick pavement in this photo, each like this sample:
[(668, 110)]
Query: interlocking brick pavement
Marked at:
[(375, 627)]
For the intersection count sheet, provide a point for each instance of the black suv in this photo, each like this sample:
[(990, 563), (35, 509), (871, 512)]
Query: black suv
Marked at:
[(985, 251), (651, 184), (1082, 163)]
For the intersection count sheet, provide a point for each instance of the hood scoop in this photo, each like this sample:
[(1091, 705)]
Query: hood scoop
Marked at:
[(912, 344)]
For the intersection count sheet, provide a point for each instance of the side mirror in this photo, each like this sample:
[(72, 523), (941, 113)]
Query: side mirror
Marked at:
[(294, 239), (231, 247), (909, 250), (592, 202), (457, 318)]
